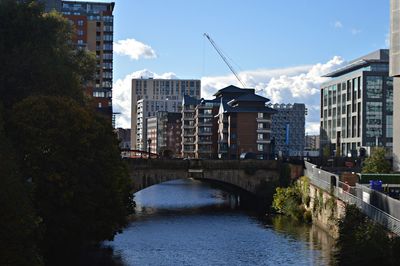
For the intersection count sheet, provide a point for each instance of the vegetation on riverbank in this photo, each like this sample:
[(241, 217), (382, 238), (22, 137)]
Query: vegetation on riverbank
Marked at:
[(363, 242), (63, 185), (292, 200)]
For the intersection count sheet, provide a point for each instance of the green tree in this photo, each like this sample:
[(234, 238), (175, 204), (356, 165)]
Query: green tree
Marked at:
[(376, 163), (38, 57), (19, 225), (81, 186), (362, 242)]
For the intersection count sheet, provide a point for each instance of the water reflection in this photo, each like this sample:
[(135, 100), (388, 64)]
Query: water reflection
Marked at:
[(186, 222)]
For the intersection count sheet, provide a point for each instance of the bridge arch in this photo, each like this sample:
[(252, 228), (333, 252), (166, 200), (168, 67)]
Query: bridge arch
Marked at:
[(248, 175)]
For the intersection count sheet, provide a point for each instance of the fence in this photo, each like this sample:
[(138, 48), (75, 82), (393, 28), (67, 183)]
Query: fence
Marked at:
[(352, 195)]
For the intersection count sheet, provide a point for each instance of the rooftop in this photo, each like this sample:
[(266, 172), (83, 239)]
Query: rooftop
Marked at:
[(378, 56)]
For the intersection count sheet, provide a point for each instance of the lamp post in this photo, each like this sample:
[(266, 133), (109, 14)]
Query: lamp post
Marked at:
[(149, 147)]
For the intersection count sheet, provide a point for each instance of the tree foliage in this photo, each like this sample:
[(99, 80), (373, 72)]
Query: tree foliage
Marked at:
[(377, 163), (362, 242), (19, 225), (61, 172), (81, 187), (37, 54)]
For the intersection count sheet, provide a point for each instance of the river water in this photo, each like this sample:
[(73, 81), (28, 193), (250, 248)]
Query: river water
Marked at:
[(187, 222)]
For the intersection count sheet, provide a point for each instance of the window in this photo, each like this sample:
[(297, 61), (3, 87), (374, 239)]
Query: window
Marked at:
[(374, 86), (80, 22), (260, 147), (260, 136)]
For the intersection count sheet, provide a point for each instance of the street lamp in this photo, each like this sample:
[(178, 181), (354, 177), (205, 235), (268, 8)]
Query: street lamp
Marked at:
[(148, 144)]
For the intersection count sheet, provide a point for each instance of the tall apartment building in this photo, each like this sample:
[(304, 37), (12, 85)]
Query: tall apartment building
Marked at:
[(205, 129), (124, 136), (288, 129), (357, 105), (395, 73), (93, 23), (244, 123), (188, 137), (164, 131), (152, 95)]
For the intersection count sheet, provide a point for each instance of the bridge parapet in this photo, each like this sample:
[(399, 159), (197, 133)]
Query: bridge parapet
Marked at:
[(249, 175)]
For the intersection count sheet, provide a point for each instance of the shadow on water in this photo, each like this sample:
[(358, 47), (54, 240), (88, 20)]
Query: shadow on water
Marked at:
[(97, 255)]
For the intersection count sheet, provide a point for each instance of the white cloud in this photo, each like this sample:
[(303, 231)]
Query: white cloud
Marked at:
[(338, 24), (134, 49), (355, 31), (387, 40), (299, 84), (122, 94)]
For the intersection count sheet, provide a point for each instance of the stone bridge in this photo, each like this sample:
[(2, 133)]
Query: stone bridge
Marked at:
[(249, 175)]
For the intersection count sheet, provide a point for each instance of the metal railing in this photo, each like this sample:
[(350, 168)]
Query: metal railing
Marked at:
[(348, 194)]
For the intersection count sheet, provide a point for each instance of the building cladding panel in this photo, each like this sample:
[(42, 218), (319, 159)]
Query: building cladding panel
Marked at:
[(395, 73), (288, 128), (151, 95), (357, 105)]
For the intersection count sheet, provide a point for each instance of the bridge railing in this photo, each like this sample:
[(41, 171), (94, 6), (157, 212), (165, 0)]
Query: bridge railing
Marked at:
[(350, 195)]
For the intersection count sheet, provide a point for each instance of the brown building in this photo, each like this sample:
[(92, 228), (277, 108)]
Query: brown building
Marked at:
[(244, 124), (164, 131)]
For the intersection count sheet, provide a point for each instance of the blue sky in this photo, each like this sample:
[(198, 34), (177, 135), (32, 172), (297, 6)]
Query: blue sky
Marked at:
[(275, 45)]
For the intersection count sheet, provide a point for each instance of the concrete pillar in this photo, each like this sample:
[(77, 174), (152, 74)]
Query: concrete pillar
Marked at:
[(394, 71)]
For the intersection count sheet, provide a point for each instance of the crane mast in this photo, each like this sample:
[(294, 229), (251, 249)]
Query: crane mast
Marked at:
[(224, 58)]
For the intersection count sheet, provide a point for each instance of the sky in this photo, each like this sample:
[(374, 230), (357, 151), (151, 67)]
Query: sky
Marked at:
[(280, 48)]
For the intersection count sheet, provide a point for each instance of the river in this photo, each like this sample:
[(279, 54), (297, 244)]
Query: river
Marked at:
[(187, 222)]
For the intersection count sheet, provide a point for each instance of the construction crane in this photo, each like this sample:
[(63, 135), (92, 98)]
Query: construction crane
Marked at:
[(224, 58)]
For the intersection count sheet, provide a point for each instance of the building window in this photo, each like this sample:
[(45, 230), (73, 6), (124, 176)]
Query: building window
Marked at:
[(80, 22), (260, 136), (374, 87), (260, 147)]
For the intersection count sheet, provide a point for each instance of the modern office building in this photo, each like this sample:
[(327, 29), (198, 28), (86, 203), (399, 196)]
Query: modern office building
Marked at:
[(164, 131), (357, 105), (288, 129), (395, 73), (93, 24), (152, 95), (244, 123)]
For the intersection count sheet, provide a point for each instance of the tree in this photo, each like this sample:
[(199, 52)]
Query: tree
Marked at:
[(376, 163), (38, 56), (81, 187), (19, 225)]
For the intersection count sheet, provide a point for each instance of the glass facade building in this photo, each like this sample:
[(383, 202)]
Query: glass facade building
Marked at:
[(357, 105)]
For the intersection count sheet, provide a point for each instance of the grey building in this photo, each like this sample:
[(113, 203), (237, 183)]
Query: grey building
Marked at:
[(288, 129), (395, 73), (152, 95), (357, 105)]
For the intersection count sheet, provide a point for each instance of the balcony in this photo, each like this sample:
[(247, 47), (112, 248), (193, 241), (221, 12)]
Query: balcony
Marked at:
[(263, 130), (263, 120), (263, 141)]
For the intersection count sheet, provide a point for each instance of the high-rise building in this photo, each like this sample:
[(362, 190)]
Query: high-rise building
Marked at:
[(357, 105), (93, 24), (152, 95), (288, 129), (206, 125), (189, 105), (395, 73)]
